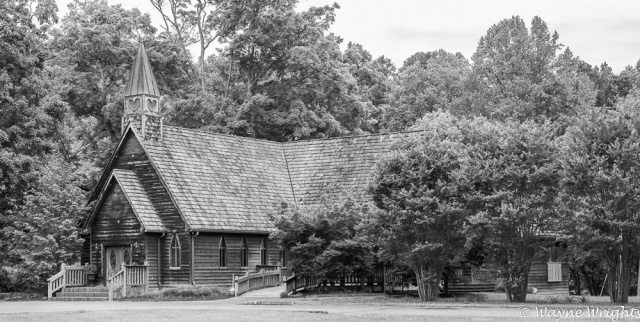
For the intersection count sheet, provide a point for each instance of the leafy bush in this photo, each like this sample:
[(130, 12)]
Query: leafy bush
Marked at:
[(554, 299), (284, 295), (191, 292)]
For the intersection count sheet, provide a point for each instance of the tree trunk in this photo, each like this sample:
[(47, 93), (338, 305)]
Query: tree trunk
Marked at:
[(428, 282), (620, 279), (516, 284)]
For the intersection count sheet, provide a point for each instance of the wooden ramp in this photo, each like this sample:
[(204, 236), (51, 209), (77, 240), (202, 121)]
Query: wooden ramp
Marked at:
[(273, 292)]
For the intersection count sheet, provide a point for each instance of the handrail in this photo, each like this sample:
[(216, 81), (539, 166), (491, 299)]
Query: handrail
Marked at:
[(117, 282), (68, 276), (251, 282), (296, 283), (129, 275)]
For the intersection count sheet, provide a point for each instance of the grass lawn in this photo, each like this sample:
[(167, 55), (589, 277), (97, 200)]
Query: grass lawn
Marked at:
[(256, 315), (470, 299)]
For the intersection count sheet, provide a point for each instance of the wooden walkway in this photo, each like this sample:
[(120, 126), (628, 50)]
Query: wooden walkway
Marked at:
[(271, 292)]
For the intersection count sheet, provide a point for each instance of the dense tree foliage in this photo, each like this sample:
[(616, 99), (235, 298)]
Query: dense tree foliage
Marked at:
[(325, 241), (600, 157), (422, 214)]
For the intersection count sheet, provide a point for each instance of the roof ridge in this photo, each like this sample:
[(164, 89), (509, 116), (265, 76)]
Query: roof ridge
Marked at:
[(355, 136), (219, 134), (301, 140)]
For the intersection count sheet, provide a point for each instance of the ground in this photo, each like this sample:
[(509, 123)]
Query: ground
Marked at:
[(342, 307), (266, 305)]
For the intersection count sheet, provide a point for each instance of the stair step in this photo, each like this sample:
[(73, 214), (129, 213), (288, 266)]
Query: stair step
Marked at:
[(83, 294), (85, 289), (79, 298)]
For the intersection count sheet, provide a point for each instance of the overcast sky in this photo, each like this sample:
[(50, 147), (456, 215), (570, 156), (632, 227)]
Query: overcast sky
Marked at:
[(596, 31)]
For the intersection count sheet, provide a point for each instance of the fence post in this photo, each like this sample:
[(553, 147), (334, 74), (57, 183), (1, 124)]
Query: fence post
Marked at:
[(235, 286), (63, 267), (110, 284), (85, 279), (146, 277), (124, 282)]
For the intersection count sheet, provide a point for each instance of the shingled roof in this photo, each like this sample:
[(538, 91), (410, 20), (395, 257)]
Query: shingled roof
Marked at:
[(140, 202), (221, 182), (335, 167), (229, 183)]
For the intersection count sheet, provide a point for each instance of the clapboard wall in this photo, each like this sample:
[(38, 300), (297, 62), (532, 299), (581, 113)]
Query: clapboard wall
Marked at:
[(207, 269)]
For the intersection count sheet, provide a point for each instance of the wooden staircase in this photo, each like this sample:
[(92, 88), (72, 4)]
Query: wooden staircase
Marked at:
[(89, 293)]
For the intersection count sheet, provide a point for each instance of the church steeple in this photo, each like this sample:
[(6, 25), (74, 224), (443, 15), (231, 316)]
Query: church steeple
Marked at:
[(142, 99)]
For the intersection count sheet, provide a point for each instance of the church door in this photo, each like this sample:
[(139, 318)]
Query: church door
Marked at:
[(115, 257)]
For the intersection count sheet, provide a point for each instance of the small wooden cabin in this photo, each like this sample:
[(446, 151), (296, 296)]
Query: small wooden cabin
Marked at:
[(194, 205)]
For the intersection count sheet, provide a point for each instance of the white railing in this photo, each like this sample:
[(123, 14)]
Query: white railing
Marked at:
[(256, 281), (117, 283), (68, 276), (129, 275)]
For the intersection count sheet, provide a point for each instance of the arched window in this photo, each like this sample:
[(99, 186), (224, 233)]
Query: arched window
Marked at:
[(223, 252), (174, 253), (244, 253), (263, 252)]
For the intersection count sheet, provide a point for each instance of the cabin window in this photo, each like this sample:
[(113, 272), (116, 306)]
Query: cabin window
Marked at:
[(223, 252), (244, 253), (283, 257), (174, 253), (263, 252)]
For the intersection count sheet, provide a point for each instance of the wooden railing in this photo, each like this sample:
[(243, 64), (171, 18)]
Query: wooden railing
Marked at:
[(68, 276), (128, 276), (296, 283), (256, 281), (267, 268), (483, 276), (380, 275)]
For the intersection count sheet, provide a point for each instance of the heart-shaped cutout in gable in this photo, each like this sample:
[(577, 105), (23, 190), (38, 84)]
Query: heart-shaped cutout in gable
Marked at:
[(152, 104), (134, 104)]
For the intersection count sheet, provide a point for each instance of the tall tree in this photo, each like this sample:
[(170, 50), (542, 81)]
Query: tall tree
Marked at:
[(421, 218), (600, 158), (427, 82), (515, 75), (26, 125), (512, 181)]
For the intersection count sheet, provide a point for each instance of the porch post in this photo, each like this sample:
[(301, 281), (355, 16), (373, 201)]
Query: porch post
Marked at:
[(63, 267), (124, 282)]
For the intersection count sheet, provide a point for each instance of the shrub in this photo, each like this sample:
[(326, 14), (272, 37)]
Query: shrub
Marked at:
[(554, 299), (284, 295), (192, 291)]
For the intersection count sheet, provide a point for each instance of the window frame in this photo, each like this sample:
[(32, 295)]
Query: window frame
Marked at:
[(264, 252), (244, 253), (175, 253), (222, 253)]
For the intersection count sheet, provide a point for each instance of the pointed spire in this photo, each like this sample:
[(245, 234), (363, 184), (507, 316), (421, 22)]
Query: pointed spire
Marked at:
[(141, 80)]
